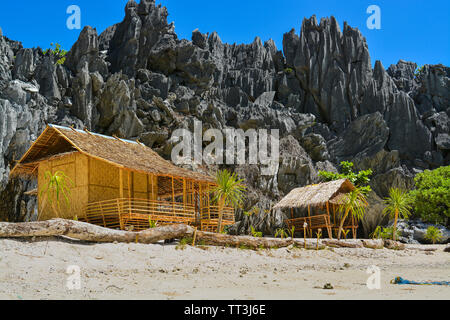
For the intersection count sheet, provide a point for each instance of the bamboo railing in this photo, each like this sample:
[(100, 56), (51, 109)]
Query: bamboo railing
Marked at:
[(210, 218), (321, 222), (137, 214)]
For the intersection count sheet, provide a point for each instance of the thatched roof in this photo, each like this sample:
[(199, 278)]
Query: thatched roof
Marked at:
[(315, 195), (132, 155)]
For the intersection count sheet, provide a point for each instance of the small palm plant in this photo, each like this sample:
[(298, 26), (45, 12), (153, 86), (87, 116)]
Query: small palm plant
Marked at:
[(292, 232), (319, 235), (353, 203), (397, 206), (345, 233), (56, 190), (376, 234), (152, 224), (433, 234), (229, 191), (281, 233), (255, 233)]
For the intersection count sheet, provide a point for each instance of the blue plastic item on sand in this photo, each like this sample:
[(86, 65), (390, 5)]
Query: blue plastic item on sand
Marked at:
[(400, 280)]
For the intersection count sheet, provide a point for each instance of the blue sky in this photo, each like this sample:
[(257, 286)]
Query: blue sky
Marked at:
[(414, 30)]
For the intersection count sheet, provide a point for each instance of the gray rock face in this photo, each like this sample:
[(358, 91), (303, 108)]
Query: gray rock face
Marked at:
[(138, 80), (413, 231), (364, 137)]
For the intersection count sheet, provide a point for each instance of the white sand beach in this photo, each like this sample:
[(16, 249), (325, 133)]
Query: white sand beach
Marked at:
[(37, 270)]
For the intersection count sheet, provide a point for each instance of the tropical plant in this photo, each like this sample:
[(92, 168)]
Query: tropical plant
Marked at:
[(376, 234), (152, 224), (388, 233), (345, 233), (255, 233), (431, 197), (353, 203), (56, 189), (360, 179), (280, 232), (319, 235), (397, 206), (419, 71), (229, 191), (433, 234), (292, 232), (57, 52)]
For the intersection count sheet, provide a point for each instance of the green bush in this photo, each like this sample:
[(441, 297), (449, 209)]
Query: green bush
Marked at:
[(255, 233), (431, 197), (388, 233), (60, 54), (360, 179), (433, 235)]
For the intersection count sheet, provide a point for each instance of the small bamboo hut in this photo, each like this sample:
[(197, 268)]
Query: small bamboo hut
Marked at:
[(118, 183), (321, 203)]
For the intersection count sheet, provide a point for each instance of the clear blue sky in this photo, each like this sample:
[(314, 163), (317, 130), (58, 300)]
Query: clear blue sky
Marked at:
[(414, 30)]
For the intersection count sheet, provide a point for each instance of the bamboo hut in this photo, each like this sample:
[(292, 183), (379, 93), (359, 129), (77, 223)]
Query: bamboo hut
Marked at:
[(321, 203), (118, 183)]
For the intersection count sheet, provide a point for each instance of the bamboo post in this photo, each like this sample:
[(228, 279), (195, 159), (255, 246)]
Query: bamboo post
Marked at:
[(121, 183), (209, 204), (309, 217), (120, 215), (184, 195), (305, 225), (330, 233), (193, 238), (173, 197), (129, 192)]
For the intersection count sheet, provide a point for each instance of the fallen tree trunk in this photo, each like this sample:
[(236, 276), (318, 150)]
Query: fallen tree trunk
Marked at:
[(219, 239), (92, 233), (89, 232), (343, 243)]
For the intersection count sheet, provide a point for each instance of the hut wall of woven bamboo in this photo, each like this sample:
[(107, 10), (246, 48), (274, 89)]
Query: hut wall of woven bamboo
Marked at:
[(117, 182)]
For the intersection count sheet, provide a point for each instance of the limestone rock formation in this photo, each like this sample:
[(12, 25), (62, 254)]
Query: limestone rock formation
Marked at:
[(138, 80)]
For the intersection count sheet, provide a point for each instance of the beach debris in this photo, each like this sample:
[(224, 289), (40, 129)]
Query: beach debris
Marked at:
[(328, 286), (400, 280)]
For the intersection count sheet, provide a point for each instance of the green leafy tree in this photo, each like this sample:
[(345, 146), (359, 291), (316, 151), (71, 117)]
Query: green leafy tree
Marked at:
[(397, 206), (360, 179), (353, 203), (57, 52), (56, 190), (433, 234), (229, 191), (431, 197)]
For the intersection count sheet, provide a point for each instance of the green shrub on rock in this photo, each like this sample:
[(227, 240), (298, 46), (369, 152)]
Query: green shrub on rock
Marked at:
[(431, 198)]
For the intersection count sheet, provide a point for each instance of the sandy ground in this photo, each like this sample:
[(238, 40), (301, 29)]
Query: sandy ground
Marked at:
[(37, 270)]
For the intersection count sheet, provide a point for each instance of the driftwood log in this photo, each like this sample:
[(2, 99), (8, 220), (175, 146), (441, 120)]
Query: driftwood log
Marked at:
[(89, 232), (92, 233), (218, 239)]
